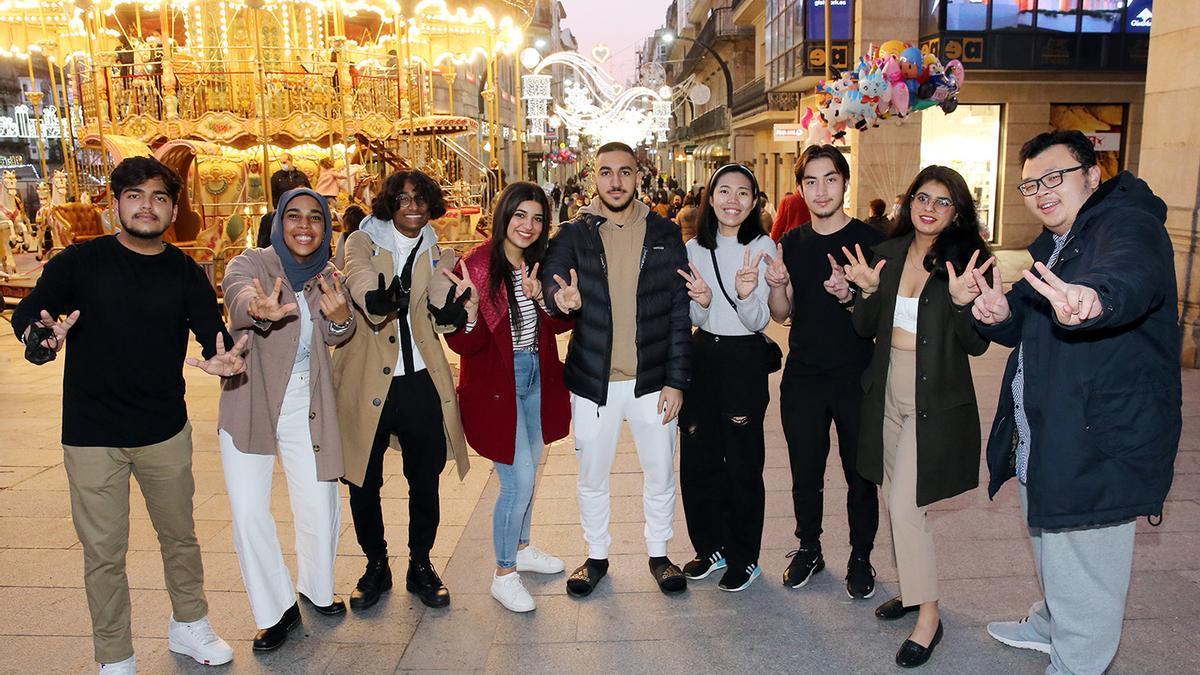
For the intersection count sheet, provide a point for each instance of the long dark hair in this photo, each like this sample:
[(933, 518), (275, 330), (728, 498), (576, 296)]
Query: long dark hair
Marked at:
[(961, 237), (499, 269), (751, 227)]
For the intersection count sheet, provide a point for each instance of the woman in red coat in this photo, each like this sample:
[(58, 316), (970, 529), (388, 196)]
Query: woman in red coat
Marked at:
[(511, 390)]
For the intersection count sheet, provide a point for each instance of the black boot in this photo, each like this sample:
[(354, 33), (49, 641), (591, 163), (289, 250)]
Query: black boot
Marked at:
[(374, 582), (270, 638), (424, 581)]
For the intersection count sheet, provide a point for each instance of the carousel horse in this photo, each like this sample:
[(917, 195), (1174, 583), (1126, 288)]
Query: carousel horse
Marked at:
[(12, 209), (43, 221)]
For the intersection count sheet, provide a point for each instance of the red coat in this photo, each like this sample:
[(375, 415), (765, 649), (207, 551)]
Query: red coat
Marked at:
[(793, 212), (487, 387)]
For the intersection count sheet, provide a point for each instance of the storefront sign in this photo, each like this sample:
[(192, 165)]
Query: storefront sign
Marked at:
[(1104, 124), (841, 17), (815, 58), (789, 133), (1140, 15)]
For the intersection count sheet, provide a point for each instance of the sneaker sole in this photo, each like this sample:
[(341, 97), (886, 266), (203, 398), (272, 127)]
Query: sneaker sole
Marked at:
[(1022, 644), (541, 571), (861, 597), (175, 647), (806, 579), (518, 610), (757, 574), (719, 565)]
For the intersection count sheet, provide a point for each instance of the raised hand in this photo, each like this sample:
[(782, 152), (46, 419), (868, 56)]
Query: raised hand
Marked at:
[(333, 301), (567, 296), (991, 305), (385, 299), (265, 306), (859, 272), (745, 280), (836, 285), (531, 286), (59, 328), (964, 289), (698, 289), (1073, 304), (225, 363), (465, 292), (777, 274)]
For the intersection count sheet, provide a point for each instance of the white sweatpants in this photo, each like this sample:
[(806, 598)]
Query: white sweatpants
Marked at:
[(597, 429), (315, 510)]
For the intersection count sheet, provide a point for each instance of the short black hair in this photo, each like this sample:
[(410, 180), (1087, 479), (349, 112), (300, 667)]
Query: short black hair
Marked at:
[(617, 146), (287, 179), (383, 206), (353, 215), (1079, 145), (133, 171), (878, 206), (815, 152)]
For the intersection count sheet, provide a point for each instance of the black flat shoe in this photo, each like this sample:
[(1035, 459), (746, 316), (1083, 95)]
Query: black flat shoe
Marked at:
[(912, 654), (424, 581), (332, 609), (586, 577), (893, 609), (375, 581), (271, 638), (668, 576)]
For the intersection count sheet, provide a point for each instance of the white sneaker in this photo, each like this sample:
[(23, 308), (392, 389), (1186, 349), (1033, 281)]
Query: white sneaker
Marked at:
[(1018, 634), (530, 559), (197, 640), (126, 667), (510, 592)]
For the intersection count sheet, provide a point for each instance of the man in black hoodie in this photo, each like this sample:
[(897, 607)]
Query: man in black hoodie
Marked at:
[(1089, 413)]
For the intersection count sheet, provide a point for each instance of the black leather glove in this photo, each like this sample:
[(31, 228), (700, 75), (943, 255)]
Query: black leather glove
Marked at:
[(383, 300), (35, 352), (454, 313)]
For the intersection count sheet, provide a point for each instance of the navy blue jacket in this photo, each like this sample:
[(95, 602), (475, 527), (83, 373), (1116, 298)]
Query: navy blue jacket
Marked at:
[(663, 326), (1103, 398)]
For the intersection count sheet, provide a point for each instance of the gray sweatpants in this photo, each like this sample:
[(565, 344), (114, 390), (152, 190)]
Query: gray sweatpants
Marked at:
[(1084, 575)]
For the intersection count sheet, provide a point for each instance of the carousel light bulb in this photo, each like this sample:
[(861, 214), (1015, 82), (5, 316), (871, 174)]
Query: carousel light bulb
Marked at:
[(664, 91), (530, 57)]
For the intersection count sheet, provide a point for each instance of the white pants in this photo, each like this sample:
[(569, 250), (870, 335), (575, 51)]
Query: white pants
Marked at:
[(315, 510), (596, 431)]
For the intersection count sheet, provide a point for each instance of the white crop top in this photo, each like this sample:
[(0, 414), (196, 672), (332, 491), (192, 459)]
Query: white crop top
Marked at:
[(905, 317)]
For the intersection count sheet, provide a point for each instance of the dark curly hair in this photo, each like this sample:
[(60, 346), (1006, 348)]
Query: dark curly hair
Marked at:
[(383, 206), (961, 237), (133, 171)]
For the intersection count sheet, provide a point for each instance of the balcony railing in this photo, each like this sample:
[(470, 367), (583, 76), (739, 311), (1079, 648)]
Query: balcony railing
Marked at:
[(720, 26), (711, 121), (750, 97)]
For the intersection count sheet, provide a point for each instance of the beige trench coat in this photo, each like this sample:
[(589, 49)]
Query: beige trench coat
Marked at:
[(251, 402), (362, 366)]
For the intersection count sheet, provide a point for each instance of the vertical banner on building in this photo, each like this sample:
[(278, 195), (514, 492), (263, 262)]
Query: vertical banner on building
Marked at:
[(841, 19), (1103, 123)]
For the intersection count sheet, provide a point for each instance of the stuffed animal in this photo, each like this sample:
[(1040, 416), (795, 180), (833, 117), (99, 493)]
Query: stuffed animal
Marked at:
[(876, 92), (899, 91)]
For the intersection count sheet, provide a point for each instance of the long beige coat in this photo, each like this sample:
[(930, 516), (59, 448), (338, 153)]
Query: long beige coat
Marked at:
[(251, 402), (362, 367)]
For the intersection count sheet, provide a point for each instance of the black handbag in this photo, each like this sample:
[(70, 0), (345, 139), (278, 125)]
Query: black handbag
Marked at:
[(772, 355)]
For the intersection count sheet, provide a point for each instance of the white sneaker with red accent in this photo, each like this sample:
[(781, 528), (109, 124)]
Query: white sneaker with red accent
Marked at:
[(197, 640), (126, 667)]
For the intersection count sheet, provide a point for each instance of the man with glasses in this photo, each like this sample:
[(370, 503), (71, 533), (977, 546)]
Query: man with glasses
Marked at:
[(394, 386), (1089, 413)]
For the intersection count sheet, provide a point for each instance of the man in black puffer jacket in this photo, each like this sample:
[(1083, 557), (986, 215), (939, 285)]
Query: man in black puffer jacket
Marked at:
[(1089, 414), (614, 268)]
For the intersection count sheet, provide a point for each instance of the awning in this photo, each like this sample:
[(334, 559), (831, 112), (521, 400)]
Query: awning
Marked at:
[(706, 151)]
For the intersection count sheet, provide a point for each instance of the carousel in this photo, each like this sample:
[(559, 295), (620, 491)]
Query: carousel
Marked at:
[(228, 92)]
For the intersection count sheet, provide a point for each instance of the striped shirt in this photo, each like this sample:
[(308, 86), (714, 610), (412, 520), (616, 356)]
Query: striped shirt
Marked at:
[(525, 336)]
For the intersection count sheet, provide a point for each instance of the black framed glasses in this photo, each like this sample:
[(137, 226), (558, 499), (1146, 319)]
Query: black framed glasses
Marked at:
[(405, 200), (1049, 181)]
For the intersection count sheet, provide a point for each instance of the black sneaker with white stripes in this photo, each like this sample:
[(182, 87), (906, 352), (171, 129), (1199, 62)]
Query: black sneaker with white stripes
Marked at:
[(703, 565), (739, 578)]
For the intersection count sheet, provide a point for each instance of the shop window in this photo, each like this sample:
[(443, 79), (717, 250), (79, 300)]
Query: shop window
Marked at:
[(1103, 123), (968, 142), (966, 14), (1057, 15), (1101, 16), (1012, 14)]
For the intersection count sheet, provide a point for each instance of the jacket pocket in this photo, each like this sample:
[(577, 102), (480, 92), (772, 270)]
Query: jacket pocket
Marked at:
[(1128, 423)]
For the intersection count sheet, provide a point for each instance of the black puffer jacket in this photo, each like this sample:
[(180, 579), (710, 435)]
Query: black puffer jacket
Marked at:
[(663, 325)]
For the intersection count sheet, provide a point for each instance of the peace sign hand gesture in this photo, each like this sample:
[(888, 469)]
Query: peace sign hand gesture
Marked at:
[(333, 301), (836, 285), (964, 289), (225, 363), (1073, 304), (531, 286), (859, 272), (265, 307), (465, 292), (698, 290), (59, 328), (745, 280), (991, 305), (567, 296), (777, 274)]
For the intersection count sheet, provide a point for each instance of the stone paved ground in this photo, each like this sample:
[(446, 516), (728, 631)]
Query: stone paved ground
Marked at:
[(626, 626)]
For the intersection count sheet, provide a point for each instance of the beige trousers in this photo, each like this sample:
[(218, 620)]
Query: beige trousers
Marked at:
[(99, 481), (912, 536)]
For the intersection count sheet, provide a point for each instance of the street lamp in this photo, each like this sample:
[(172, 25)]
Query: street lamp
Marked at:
[(670, 37)]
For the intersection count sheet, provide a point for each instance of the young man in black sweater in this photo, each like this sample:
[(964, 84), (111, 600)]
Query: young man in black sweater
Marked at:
[(826, 359), (116, 292)]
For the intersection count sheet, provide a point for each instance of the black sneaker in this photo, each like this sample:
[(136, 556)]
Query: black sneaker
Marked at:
[(739, 578), (704, 565), (805, 563), (860, 577)]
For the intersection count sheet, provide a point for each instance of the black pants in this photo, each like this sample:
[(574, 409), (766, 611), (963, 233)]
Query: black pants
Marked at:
[(807, 405), (721, 446), (413, 412)]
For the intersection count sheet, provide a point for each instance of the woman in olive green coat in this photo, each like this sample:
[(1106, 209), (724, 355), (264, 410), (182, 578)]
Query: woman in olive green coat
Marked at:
[(920, 434)]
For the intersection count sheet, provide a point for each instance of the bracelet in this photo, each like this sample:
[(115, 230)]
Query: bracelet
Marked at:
[(341, 327)]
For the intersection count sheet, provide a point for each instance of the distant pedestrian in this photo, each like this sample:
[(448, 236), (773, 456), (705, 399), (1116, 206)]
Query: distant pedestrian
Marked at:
[(877, 219)]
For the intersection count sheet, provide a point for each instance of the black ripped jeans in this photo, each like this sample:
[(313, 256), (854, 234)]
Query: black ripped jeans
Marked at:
[(722, 448)]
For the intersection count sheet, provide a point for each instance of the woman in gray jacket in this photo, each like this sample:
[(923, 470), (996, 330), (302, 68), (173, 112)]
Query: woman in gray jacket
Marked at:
[(283, 405)]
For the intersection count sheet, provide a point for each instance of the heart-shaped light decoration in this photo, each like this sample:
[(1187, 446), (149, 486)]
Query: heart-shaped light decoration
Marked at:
[(601, 53)]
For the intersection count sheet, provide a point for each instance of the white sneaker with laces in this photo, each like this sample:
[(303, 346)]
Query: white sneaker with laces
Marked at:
[(530, 559), (510, 592), (126, 667), (1018, 634), (197, 640)]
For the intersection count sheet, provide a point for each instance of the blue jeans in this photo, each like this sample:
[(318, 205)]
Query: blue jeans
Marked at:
[(514, 506)]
